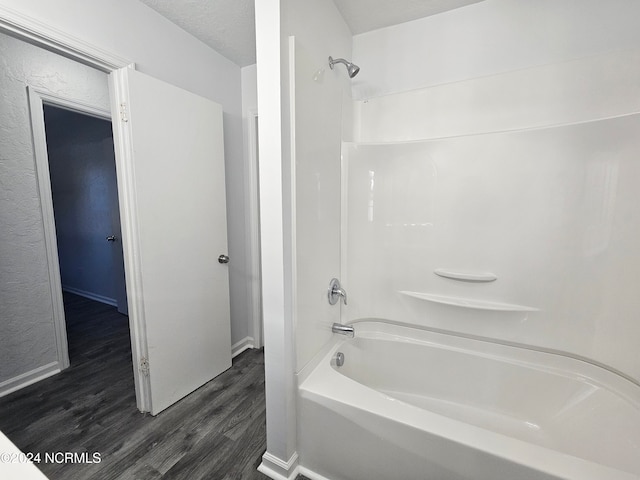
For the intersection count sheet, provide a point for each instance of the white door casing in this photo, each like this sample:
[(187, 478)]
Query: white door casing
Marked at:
[(170, 165), (37, 98)]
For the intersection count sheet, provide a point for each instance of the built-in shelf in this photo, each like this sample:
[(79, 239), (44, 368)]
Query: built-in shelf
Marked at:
[(466, 276), (470, 303)]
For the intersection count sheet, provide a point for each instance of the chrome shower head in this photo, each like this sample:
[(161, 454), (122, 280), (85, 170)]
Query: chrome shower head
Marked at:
[(352, 68)]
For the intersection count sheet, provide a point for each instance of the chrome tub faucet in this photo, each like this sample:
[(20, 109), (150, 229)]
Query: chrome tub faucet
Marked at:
[(341, 329)]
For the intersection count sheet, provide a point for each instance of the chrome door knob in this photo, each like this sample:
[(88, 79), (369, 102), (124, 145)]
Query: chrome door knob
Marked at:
[(111, 238), (223, 259)]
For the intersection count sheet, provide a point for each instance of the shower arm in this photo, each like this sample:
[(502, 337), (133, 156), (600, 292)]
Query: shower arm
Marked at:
[(352, 68), (333, 61)]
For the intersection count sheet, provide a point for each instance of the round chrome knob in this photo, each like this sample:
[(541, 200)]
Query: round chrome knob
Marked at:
[(223, 259)]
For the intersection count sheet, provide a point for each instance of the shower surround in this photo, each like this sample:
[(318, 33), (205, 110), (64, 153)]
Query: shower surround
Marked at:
[(533, 186), (474, 183), (486, 256)]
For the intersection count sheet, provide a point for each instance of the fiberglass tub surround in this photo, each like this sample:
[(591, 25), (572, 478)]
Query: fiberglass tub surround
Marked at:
[(489, 257), (548, 212), (456, 408), (537, 201)]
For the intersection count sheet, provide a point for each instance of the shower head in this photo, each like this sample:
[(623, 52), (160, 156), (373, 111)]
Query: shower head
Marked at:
[(352, 68)]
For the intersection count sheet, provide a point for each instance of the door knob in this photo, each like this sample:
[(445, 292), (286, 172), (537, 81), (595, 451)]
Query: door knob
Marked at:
[(223, 259), (111, 238)]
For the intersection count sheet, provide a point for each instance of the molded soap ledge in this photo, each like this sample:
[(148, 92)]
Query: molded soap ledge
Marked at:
[(470, 303), (466, 276)]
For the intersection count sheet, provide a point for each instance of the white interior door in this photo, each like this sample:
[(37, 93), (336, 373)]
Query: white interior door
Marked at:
[(170, 161), (115, 243), (118, 263)]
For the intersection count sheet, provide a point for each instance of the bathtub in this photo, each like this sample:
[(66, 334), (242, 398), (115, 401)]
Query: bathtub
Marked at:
[(414, 404)]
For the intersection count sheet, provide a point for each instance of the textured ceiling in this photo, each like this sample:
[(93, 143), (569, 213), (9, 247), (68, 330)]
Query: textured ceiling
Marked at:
[(228, 26)]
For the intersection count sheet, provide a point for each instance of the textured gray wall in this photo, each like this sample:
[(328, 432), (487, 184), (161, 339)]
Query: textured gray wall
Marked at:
[(27, 338)]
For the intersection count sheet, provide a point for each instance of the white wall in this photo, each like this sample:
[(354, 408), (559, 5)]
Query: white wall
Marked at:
[(85, 198), (292, 208), (489, 37), (565, 92), (28, 342), (278, 353), (159, 48), (249, 76), (317, 94), (523, 166), (249, 89)]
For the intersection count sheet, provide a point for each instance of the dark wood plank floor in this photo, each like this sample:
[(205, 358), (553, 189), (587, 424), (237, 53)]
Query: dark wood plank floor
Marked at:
[(217, 432)]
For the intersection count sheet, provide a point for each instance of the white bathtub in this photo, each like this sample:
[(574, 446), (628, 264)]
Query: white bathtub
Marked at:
[(413, 404)]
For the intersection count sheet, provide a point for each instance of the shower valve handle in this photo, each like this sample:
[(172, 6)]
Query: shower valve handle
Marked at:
[(336, 292)]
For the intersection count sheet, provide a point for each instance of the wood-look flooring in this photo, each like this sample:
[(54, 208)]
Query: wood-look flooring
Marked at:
[(215, 433)]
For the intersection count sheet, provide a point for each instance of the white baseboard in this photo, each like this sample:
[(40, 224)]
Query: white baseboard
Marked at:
[(28, 378), (91, 296), (245, 344), (278, 469)]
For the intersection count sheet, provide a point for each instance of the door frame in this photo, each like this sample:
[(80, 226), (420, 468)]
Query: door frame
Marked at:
[(37, 99), (42, 35)]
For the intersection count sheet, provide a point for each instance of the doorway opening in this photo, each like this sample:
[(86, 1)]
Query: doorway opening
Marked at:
[(85, 202), (84, 192)]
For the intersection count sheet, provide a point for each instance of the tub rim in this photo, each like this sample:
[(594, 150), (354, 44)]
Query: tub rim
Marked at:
[(562, 356)]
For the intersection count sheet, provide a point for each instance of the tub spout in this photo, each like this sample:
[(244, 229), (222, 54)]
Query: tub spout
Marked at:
[(343, 329)]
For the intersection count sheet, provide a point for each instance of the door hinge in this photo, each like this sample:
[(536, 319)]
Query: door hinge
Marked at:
[(123, 112), (144, 366)]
